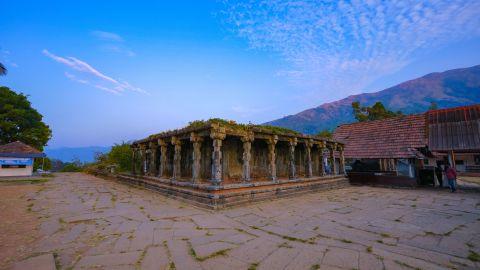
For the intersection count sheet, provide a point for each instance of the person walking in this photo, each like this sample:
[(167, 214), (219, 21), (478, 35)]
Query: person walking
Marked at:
[(451, 175)]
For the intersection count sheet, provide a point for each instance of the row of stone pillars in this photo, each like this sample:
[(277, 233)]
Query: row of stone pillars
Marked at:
[(216, 174)]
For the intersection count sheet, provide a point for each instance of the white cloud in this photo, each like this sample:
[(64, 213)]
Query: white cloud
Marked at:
[(107, 36), (342, 46), (112, 42), (102, 81)]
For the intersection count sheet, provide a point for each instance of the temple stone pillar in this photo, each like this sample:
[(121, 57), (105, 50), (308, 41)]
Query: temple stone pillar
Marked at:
[(342, 160), (272, 166), (163, 157), (197, 154), (332, 159), (153, 157), (218, 135), (321, 148), (143, 155), (177, 158), (247, 156), (292, 172), (308, 148)]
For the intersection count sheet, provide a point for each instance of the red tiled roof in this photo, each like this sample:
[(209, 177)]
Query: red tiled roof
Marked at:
[(397, 137), (18, 148)]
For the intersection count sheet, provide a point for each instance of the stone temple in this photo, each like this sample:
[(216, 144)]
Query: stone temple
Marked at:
[(217, 163)]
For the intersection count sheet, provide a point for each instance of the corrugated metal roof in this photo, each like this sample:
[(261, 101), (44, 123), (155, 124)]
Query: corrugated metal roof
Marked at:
[(456, 129)]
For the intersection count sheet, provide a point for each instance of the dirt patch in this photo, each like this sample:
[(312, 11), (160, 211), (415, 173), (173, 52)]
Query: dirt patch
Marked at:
[(18, 225)]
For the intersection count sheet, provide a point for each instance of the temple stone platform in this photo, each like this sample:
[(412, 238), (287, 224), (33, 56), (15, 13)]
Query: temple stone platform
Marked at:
[(219, 163), (220, 197)]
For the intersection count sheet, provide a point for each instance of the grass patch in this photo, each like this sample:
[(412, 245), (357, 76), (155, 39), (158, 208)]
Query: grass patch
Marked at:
[(58, 265), (386, 235), (413, 205), (191, 250), (253, 266), (473, 256), (346, 241), (171, 266), (24, 181), (284, 245), (315, 267), (406, 265), (369, 249), (398, 220), (470, 245)]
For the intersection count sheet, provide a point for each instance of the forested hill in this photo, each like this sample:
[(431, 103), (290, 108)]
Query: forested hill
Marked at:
[(456, 87)]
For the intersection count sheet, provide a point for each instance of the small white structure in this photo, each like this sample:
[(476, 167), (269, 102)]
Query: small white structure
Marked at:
[(16, 159)]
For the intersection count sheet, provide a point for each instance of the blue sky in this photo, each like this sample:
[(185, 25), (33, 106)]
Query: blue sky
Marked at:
[(105, 71)]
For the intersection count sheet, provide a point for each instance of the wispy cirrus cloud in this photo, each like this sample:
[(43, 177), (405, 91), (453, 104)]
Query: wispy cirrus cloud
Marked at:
[(112, 42), (108, 36), (86, 74), (342, 46)]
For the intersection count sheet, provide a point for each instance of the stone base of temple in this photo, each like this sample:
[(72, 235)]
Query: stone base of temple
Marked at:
[(224, 196)]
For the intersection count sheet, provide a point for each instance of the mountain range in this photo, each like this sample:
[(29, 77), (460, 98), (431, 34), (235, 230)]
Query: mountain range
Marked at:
[(452, 88), (68, 154)]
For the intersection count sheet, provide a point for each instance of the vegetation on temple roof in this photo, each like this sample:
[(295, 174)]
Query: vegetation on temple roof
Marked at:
[(236, 126)]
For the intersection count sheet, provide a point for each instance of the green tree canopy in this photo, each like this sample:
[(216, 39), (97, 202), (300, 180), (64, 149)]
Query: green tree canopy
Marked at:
[(433, 106), (325, 133), (375, 112), (3, 70), (20, 122)]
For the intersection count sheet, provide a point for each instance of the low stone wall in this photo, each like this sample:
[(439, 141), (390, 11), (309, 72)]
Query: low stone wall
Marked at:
[(219, 197)]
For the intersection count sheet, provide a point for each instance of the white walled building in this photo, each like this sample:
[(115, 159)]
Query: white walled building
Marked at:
[(16, 159)]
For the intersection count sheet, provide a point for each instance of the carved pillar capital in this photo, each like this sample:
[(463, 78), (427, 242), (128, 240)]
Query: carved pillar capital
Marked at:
[(293, 142), (248, 137), (161, 142), (195, 138), (217, 132)]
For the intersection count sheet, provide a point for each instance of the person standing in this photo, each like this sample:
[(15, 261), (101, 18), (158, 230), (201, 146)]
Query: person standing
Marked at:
[(451, 175)]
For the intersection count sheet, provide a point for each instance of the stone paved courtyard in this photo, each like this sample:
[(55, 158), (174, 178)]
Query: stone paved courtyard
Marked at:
[(88, 222)]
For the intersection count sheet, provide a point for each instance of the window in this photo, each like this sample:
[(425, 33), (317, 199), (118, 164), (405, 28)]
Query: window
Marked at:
[(13, 166), (477, 159)]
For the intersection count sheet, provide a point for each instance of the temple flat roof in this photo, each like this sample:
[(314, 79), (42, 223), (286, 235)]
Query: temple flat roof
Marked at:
[(231, 128)]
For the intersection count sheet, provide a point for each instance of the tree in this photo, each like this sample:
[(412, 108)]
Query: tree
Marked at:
[(325, 133), (375, 112), (42, 163), (3, 70), (433, 106), (20, 122), (121, 154)]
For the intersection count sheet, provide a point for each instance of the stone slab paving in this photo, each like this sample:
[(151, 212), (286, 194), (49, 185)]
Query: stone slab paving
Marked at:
[(88, 222)]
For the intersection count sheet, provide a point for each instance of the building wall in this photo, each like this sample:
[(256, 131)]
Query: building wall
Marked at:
[(27, 171)]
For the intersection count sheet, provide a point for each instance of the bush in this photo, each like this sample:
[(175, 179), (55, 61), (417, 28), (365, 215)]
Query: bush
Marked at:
[(71, 167)]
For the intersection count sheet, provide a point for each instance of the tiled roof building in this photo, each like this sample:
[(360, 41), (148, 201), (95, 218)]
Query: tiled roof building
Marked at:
[(397, 137)]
